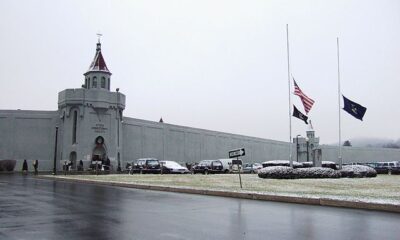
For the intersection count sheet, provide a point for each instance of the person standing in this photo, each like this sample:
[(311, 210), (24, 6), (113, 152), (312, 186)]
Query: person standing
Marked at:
[(24, 167), (36, 166), (80, 166)]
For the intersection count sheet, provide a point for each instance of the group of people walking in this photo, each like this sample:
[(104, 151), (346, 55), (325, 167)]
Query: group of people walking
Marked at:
[(25, 166)]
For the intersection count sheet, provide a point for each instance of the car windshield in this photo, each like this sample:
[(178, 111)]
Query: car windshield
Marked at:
[(152, 162), (204, 163), (216, 163), (172, 164)]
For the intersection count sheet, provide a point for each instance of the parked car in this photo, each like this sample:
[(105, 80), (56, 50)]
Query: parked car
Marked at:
[(226, 165), (146, 165), (208, 166), (385, 167), (329, 164), (172, 167), (251, 167), (286, 163)]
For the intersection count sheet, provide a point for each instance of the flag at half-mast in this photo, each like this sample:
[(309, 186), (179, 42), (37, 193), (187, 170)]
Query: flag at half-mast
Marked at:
[(299, 115), (307, 102)]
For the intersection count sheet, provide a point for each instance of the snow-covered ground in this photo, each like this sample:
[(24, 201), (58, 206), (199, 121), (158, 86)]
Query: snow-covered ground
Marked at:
[(381, 189)]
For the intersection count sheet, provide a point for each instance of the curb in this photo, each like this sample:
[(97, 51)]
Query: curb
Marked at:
[(253, 196)]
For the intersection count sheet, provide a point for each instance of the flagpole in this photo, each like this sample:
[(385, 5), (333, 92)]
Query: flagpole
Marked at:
[(290, 101), (339, 93)]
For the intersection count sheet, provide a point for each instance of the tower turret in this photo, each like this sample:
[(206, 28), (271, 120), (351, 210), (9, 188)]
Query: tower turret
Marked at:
[(313, 141), (91, 118), (98, 76), (310, 131)]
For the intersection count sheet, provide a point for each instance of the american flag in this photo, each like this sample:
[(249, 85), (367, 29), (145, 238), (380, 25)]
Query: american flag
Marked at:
[(307, 102)]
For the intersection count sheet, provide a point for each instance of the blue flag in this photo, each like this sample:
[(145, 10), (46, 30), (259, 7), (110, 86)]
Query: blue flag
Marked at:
[(354, 109)]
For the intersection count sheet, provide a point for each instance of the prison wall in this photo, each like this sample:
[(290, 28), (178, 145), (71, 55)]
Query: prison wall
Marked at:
[(28, 135)]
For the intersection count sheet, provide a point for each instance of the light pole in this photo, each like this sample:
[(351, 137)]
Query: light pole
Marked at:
[(297, 147), (55, 154)]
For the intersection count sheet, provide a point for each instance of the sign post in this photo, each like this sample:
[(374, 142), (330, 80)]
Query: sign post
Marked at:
[(237, 153)]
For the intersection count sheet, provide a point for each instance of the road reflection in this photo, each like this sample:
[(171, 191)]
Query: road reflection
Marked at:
[(32, 208)]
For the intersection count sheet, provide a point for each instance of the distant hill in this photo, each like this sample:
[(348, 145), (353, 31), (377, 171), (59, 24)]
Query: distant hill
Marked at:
[(375, 142)]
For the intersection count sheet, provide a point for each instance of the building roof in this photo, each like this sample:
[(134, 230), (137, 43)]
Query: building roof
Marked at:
[(98, 63)]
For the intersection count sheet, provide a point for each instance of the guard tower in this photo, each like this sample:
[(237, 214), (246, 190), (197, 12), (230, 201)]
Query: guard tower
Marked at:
[(305, 146), (91, 116), (313, 142)]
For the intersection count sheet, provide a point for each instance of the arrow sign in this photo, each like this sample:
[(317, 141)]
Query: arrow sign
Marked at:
[(237, 153)]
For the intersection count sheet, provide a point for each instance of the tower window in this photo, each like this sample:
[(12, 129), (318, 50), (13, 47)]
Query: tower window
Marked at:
[(108, 84), (75, 120), (103, 82), (88, 86), (94, 82)]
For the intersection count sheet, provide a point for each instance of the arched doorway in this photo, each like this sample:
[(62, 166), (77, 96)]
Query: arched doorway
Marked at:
[(99, 151)]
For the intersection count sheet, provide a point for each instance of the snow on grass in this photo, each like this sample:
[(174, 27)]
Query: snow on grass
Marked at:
[(381, 189)]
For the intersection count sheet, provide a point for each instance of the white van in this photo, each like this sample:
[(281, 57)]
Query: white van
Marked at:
[(226, 164)]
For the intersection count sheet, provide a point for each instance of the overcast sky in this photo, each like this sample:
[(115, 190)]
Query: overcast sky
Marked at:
[(212, 64)]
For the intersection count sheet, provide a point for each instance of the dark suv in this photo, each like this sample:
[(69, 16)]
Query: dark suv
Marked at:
[(208, 166), (146, 165), (386, 167)]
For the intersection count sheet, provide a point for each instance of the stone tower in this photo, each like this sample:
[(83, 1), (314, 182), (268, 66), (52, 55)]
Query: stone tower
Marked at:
[(312, 140), (90, 118), (305, 146)]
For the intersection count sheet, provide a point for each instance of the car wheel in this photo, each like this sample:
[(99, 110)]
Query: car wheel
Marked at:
[(226, 171)]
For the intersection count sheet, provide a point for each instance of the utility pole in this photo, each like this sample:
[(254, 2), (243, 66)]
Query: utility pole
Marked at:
[(55, 154)]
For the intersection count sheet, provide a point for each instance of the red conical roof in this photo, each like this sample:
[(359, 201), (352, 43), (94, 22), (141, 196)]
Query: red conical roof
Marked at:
[(98, 63)]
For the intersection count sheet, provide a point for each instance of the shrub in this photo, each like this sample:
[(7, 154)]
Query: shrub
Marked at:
[(317, 172), (282, 172), (352, 171), (7, 165), (277, 172)]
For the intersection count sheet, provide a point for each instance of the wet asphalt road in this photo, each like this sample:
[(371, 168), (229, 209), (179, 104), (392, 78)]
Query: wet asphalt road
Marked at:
[(32, 208)]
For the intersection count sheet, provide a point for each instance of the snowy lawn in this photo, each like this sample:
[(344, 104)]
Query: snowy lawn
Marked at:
[(381, 189)]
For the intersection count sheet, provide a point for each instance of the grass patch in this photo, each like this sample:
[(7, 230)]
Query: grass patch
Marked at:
[(381, 189)]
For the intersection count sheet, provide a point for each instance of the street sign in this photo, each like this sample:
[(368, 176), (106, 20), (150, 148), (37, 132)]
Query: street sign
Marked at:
[(237, 162), (237, 153)]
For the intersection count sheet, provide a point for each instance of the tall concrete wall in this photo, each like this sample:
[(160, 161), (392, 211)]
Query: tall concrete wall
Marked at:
[(143, 138), (184, 144), (360, 154), (28, 135)]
